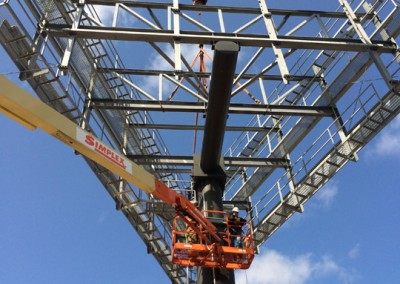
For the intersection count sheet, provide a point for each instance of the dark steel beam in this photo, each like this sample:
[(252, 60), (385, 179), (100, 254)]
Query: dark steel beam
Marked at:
[(208, 174), (142, 72), (170, 106), (201, 127), (223, 70), (229, 172), (228, 161)]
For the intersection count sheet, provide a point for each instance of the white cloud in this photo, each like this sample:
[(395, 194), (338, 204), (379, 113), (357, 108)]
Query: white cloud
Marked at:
[(355, 251), (105, 13), (327, 194), (106, 16), (157, 62), (388, 143), (275, 268)]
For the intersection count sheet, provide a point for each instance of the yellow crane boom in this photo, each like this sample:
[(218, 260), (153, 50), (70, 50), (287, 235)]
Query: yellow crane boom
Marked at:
[(19, 105)]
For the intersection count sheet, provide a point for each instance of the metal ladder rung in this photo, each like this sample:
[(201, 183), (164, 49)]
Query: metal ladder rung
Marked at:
[(76, 117), (93, 44), (28, 55), (150, 230), (387, 110), (111, 78), (154, 239), (344, 156), (129, 205), (69, 110), (164, 254), (166, 175), (100, 56), (145, 138), (292, 207), (149, 146), (58, 99), (328, 55), (321, 174), (318, 65), (261, 231), (368, 127), (356, 141), (282, 215), (273, 224), (300, 195), (375, 121), (332, 164), (16, 39), (48, 81), (310, 184), (120, 192), (117, 86)]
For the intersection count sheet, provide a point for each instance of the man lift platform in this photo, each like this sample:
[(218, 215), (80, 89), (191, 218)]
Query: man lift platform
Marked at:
[(222, 254), (213, 249)]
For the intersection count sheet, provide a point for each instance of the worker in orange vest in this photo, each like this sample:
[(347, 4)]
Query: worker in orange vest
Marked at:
[(235, 224)]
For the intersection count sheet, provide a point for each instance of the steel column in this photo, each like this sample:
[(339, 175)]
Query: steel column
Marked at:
[(211, 185), (224, 65)]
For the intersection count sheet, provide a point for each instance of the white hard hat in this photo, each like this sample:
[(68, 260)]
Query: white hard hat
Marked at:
[(235, 209)]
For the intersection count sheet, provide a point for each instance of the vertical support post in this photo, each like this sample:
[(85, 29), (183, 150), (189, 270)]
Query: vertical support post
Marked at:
[(210, 193), (87, 109), (289, 170), (341, 128), (118, 198), (115, 16), (177, 44), (208, 173), (221, 21), (250, 212), (39, 43), (71, 40)]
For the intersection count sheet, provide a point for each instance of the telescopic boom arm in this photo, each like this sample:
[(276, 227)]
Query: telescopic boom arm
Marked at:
[(19, 105)]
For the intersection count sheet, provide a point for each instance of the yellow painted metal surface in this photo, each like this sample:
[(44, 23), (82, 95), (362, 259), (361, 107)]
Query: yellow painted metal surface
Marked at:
[(19, 105)]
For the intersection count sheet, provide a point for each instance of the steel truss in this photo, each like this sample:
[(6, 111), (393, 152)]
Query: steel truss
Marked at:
[(298, 111)]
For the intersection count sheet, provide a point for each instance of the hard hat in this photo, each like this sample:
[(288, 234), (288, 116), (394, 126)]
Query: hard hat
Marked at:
[(235, 209)]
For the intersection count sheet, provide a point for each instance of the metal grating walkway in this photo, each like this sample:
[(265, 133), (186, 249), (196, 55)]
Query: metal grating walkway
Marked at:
[(300, 84)]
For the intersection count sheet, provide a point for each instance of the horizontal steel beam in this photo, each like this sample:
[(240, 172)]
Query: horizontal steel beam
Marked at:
[(228, 161), (196, 37), (201, 127), (175, 170), (142, 72), (163, 106), (227, 9)]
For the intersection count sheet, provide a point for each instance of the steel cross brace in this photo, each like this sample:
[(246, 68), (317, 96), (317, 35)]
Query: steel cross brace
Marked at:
[(269, 23), (355, 22)]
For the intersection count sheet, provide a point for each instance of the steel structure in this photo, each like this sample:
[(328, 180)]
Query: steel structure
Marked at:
[(311, 89)]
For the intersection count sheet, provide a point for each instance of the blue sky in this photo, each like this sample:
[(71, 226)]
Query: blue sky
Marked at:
[(58, 224)]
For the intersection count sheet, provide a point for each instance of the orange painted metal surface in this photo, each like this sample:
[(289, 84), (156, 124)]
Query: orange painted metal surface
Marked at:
[(186, 211), (220, 254)]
